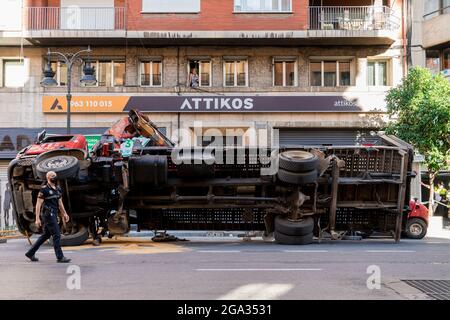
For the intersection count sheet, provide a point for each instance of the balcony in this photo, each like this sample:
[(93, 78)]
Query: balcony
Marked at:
[(432, 26), (74, 22), (352, 21)]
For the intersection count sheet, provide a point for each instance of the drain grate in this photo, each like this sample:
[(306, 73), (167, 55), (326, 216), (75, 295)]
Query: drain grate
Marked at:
[(436, 289)]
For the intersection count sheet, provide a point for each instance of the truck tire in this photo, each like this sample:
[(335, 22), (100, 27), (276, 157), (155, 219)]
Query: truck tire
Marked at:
[(416, 228), (282, 238), (64, 166), (297, 177), (294, 228), (76, 239), (298, 161)]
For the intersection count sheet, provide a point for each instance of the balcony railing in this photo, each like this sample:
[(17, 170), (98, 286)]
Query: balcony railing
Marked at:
[(74, 18), (352, 18)]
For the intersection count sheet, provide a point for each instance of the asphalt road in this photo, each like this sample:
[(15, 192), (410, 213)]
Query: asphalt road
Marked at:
[(221, 268)]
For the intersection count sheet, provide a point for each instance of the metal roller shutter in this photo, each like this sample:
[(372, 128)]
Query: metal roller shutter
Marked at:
[(323, 137)]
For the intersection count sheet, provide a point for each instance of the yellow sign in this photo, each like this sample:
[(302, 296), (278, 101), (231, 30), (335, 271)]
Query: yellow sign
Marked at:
[(85, 104)]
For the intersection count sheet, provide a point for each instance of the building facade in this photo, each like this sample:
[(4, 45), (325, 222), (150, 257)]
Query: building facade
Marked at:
[(306, 71), (429, 38)]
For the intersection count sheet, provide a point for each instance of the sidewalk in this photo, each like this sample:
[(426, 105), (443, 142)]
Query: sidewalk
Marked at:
[(436, 228)]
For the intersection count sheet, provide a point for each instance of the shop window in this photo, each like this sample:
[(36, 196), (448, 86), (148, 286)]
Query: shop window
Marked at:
[(13, 73), (284, 73), (199, 73), (236, 73), (446, 59), (377, 73), (151, 73), (433, 61), (330, 73)]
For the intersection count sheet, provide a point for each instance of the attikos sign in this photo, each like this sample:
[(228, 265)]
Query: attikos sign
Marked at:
[(117, 104)]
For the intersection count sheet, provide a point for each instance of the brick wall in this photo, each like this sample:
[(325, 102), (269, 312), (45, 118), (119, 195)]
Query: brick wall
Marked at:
[(217, 15)]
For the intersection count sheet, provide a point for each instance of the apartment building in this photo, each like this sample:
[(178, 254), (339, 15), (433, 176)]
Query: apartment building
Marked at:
[(430, 44), (303, 71)]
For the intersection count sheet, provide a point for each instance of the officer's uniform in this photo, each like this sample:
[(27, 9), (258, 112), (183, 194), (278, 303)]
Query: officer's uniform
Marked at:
[(49, 220)]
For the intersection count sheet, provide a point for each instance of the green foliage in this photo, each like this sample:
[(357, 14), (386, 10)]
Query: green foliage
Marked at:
[(420, 112)]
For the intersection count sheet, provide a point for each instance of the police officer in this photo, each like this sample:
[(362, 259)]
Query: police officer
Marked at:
[(50, 197)]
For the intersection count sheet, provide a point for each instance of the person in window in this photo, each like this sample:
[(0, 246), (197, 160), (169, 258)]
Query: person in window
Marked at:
[(193, 78)]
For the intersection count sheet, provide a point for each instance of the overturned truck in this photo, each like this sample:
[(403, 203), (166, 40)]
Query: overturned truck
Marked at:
[(295, 193)]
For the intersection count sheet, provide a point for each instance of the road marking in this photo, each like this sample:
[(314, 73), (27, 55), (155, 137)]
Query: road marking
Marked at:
[(434, 242), (263, 269), (51, 251), (305, 251), (390, 251), (219, 251), (257, 291)]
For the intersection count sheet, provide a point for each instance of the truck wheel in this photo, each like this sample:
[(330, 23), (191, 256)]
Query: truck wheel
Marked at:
[(64, 166), (76, 239), (298, 161), (294, 228), (282, 238), (297, 177), (416, 228)]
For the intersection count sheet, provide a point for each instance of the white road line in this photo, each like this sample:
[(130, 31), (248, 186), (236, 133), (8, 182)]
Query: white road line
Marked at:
[(263, 269), (219, 251), (48, 252), (390, 251), (257, 291), (434, 242), (305, 251)]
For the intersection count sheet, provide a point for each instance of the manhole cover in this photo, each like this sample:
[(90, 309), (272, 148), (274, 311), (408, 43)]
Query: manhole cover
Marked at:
[(436, 289)]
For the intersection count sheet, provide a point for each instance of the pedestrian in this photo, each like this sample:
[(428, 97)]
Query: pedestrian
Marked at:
[(50, 198), (193, 78), (7, 203)]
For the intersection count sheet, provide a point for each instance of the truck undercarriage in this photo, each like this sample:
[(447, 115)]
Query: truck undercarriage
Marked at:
[(294, 192)]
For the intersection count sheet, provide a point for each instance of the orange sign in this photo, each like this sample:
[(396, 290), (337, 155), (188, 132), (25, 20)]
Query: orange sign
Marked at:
[(84, 104)]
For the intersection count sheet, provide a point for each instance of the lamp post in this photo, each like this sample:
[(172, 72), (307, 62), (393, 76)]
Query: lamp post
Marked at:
[(69, 59)]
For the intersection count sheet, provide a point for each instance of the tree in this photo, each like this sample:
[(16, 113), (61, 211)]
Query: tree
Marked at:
[(419, 110)]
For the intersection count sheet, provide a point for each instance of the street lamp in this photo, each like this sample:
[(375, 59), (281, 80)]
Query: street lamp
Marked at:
[(69, 59)]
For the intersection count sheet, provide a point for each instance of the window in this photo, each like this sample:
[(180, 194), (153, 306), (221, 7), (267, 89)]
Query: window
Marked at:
[(446, 59), (330, 73), (262, 6), (199, 73), (109, 73), (172, 6), (432, 60), (236, 73), (434, 8), (377, 73), (13, 73), (11, 15), (60, 70), (285, 73), (151, 73)]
